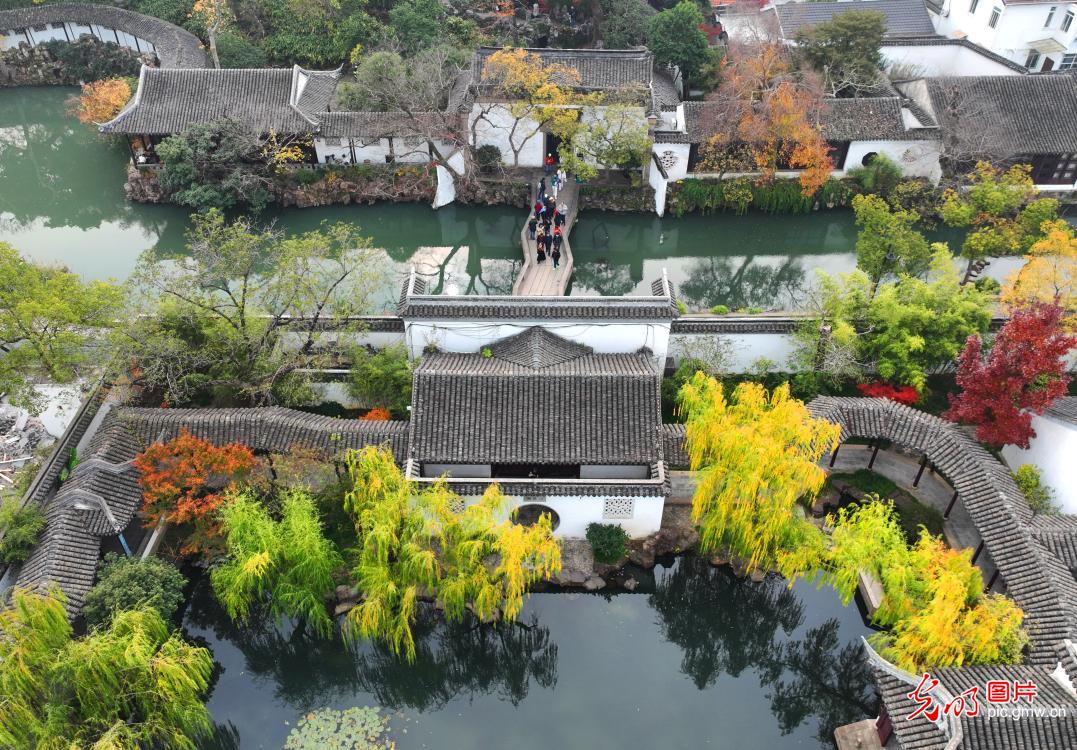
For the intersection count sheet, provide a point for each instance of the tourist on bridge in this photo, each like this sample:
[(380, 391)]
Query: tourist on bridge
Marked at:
[(540, 208), (557, 239), (540, 254), (556, 254), (562, 176), (559, 215), (549, 163), (531, 227), (547, 242), (556, 182), (542, 187)]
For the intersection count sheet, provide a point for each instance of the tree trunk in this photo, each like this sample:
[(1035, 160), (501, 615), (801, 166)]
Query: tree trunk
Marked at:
[(212, 33)]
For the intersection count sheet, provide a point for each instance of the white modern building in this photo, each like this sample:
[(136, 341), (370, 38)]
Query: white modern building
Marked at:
[(1036, 34)]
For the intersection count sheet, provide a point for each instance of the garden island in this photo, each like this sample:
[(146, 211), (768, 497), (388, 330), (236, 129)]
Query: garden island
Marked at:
[(600, 373)]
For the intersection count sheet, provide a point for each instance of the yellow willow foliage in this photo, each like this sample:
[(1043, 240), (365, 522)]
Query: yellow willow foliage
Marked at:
[(755, 455), (131, 685), (1049, 274), (933, 596), (412, 546)]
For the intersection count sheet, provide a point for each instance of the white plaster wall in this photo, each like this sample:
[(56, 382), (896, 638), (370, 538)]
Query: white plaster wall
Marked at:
[(660, 185), (945, 60), (1054, 451), (1018, 26), (291, 340), (614, 471), (916, 158), (494, 127), (49, 34), (457, 470), (575, 512), (335, 392), (744, 348), (472, 336)]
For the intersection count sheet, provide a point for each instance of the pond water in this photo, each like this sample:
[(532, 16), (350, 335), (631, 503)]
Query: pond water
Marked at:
[(694, 658), (61, 199)]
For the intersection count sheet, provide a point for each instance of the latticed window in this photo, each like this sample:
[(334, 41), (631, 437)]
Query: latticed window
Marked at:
[(618, 508), (996, 13), (1058, 169), (1068, 61)]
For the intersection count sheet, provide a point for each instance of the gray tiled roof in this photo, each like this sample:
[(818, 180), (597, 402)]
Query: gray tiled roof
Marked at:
[(375, 125), (855, 119), (536, 399), (416, 304), (979, 732), (175, 47), (1064, 409), (168, 101), (69, 548), (1035, 579), (1059, 535), (673, 448), (599, 69), (1035, 113), (903, 17)]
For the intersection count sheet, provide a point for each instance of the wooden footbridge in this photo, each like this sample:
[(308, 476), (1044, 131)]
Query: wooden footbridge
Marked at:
[(542, 279)]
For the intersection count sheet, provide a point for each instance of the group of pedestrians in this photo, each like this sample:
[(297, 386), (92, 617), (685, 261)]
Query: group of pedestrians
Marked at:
[(546, 226)]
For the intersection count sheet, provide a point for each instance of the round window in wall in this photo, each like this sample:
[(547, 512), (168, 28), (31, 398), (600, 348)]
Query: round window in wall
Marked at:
[(529, 514), (869, 157)]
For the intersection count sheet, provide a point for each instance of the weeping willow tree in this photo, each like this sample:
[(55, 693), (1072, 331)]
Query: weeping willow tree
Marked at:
[(287, 565), (933, 602), (411, 546), (130, 686), (755, 455)]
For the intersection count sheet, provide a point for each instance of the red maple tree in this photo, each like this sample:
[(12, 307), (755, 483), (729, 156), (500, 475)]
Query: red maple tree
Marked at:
[(1022, 374), (904, 394), (185, 480)]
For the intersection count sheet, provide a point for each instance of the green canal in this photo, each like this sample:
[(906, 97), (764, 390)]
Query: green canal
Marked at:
[(61, 200)]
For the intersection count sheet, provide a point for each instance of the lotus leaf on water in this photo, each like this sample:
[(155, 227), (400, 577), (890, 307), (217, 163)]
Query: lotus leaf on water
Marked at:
[(357, 728)]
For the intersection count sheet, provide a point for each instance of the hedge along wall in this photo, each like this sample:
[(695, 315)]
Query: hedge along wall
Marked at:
[(741, 194)]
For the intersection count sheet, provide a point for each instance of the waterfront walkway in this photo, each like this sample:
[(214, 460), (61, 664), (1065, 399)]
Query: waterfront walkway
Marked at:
[(542, 279)]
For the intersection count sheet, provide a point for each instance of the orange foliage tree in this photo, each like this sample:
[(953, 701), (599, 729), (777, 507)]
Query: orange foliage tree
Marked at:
[(377, 414), (763, 118), (100, 101), (185, 481)]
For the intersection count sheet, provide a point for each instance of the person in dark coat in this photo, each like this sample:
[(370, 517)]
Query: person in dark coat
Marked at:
[(556, 254), (547, 240), (531, 225), (542, 187), (546, 225), (540, 245)]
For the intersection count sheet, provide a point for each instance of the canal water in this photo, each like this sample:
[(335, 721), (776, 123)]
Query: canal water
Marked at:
[(694, 658), (61, 199)]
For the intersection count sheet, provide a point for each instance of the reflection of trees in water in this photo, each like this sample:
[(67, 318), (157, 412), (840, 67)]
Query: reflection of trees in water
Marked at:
[(726, 625), (603, 277), (455, 658), (451, 659), (814, 677), (221, 737), (717, 281)]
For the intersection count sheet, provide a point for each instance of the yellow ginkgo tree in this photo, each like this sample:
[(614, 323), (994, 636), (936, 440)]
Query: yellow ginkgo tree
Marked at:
[(1049, 274), (755, 455)]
